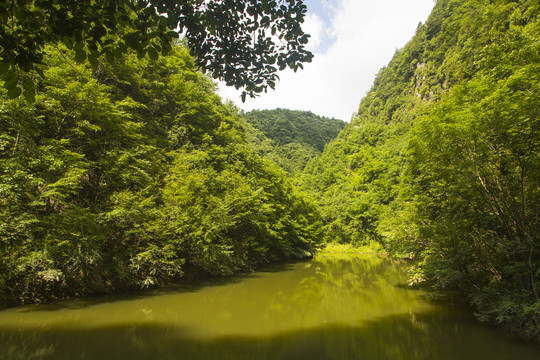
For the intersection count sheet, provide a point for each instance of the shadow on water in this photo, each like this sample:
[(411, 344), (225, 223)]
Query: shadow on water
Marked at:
[(396, 337), (188, 287)]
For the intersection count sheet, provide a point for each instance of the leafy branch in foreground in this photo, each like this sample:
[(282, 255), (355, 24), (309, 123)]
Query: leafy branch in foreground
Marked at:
[(243, 43)]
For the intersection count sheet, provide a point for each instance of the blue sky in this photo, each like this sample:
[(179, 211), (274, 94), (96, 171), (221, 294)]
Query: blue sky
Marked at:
[(351, 40), (324, 10)]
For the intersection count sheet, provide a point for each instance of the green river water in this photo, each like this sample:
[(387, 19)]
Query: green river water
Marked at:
[(336, 307)]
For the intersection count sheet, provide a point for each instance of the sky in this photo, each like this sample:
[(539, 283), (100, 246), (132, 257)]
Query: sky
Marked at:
[(351, 40)]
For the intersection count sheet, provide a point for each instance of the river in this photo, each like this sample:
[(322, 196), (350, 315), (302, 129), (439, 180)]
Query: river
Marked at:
[(336, 307)]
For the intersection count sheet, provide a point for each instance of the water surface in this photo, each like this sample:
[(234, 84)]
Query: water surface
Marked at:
[(337, 307)]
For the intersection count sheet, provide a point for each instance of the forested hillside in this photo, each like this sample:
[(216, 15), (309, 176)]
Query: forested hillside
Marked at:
[(133, 174), (442, 163), (291, 138)]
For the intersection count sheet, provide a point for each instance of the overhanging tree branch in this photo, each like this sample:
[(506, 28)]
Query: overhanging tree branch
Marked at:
[(234, 41)]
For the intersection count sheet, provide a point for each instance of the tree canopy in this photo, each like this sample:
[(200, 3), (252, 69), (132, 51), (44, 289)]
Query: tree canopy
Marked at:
[(291, 138), (243, 43), (131, 175)]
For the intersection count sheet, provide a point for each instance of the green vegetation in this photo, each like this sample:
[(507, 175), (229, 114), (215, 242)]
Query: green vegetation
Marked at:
[(442, 163), (291, 138), (242, 42), (134, 174), (373, 251)]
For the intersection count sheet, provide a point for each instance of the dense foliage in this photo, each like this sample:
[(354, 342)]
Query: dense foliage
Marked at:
[(242, 42), (474, 171), (291, 138), (135, 174), (442, 163)]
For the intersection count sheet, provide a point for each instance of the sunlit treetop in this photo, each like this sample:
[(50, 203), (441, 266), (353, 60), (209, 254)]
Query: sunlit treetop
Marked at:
[(242, 42)]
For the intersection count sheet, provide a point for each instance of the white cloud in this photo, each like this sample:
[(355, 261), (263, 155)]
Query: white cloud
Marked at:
[(314, 26), (365, 35)]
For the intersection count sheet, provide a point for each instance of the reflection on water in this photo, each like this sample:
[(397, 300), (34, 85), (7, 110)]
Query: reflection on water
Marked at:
[(332, 308)]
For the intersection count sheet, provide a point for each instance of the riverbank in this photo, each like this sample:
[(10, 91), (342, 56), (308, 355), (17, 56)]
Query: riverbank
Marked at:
[(191, 276), (334, 249)]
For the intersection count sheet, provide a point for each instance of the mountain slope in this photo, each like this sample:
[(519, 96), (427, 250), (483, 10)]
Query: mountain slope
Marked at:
[(442, 161), (291, 138)]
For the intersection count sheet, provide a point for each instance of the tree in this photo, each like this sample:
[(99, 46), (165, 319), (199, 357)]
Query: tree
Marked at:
[(241, 42), (474, 162), (135, 174)]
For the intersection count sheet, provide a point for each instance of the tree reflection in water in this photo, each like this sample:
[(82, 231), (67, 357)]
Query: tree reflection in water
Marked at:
[(335, 307)]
